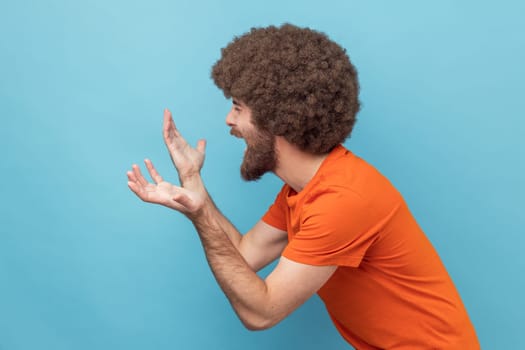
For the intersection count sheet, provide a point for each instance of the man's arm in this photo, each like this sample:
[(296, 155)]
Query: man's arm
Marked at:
[(259, 303), (261, 245)]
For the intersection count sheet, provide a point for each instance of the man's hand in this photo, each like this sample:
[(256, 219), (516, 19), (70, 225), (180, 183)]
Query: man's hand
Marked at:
[(161, 192), (187, 160)]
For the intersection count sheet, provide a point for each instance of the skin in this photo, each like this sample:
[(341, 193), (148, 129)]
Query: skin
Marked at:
[(234, 258)]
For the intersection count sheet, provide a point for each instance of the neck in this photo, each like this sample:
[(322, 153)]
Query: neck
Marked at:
[(294, 166)]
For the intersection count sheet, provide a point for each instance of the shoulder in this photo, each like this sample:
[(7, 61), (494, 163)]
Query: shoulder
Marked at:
[(351, 196), (348, 177), (330, 202)]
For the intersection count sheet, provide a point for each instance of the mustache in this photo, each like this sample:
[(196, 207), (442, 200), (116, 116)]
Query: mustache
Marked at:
[(235, 133)]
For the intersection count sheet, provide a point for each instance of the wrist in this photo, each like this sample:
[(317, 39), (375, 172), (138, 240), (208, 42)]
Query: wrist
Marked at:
[(190, 179), (203, 214)]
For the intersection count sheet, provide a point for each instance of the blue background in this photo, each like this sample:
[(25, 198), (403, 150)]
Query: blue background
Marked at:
[(84, 264)]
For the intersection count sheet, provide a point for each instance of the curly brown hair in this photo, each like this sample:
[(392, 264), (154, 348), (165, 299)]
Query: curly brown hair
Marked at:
[(298, 83)]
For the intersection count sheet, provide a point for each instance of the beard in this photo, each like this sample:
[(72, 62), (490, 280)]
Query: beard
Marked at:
[(260, 156)]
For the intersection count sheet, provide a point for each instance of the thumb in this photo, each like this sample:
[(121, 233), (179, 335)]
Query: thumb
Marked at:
[(184, 200), (201, 145)]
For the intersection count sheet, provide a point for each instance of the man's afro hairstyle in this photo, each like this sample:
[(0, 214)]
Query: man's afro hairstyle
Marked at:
[(298, 83)]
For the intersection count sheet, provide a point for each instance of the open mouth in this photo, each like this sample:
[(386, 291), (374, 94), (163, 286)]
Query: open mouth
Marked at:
[(238, 135)]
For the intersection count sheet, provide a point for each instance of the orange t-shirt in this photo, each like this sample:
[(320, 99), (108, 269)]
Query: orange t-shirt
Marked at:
[(391, 290)]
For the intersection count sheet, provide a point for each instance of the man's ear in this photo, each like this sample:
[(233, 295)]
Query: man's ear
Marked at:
[(282, 144)]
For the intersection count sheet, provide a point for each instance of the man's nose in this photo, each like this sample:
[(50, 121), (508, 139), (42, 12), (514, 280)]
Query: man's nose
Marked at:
[(230, 120)]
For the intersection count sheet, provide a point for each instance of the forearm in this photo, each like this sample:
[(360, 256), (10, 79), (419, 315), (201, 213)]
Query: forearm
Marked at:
[(246, 291), (227, 227)]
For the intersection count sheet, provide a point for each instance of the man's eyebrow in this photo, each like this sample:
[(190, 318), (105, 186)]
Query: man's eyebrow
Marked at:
[(235, 102)]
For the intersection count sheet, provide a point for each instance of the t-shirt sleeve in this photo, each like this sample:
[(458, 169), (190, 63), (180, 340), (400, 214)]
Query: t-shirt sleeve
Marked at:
[(276, 214), (336, 228)]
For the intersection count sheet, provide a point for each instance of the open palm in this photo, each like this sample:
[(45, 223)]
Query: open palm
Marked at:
[(163, 192), (187, 160)]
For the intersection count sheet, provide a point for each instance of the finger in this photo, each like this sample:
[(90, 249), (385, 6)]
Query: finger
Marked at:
[(153, 172), (135, 188), (201, 146), (167, 115), (140, 179), (183, 201), (131, 176), (184, 198), (133, 179), (172, 125), (169, 124), (171, 134), (175, 204), (166, 125)]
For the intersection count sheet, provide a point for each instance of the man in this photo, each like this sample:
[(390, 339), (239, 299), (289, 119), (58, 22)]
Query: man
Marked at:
[(338, 227)]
